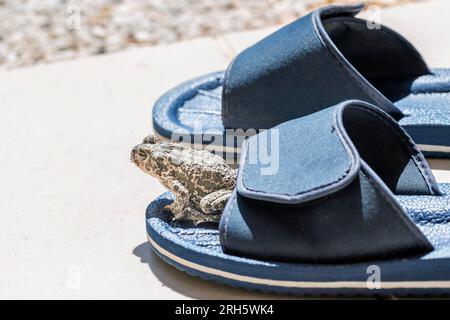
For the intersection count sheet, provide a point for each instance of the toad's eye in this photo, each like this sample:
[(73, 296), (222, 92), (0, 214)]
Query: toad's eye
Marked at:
[(142, 155)]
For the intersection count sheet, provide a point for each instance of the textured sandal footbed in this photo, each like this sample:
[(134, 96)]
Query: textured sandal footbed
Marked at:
[(200, 245), (198, 103)]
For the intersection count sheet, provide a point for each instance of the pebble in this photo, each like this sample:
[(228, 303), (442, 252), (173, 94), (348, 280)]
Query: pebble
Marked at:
[(39, 31)]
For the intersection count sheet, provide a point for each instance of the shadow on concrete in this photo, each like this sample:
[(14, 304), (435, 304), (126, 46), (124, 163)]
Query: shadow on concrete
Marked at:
[(191, 286), (439, 164)]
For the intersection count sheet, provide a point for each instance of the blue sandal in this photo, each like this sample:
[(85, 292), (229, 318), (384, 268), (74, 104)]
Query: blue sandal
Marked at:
[(317, 61), (351, 197)]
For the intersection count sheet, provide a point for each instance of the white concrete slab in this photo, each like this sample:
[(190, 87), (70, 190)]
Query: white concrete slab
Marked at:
[(72, 204), (426, 25), (238, 41), (441, 169)]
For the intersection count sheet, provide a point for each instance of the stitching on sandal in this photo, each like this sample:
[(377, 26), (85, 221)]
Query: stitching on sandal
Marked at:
[(349, 151), (393, 205), (411, 147), (346, 72), (233, 200)]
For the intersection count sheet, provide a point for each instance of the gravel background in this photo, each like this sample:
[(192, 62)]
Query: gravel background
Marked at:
[(35, 31)]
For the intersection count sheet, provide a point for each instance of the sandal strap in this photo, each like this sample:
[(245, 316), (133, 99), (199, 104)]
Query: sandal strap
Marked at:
[(325, 185), (286, 75)]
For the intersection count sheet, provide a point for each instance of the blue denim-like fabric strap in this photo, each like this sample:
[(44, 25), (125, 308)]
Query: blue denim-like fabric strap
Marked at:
[(297, 71), (329, 196), (304, 158)]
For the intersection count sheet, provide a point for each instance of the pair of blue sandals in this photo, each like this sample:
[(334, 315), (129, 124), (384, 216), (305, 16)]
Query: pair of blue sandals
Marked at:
[(352, 199)]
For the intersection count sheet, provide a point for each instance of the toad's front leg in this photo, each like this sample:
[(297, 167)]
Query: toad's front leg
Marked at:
[(178, 206)]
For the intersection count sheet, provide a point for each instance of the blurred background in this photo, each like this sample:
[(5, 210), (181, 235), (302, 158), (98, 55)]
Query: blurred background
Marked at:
[(39, 31)]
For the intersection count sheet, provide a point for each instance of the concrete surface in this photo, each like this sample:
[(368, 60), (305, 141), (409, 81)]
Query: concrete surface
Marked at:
[(72, 205)]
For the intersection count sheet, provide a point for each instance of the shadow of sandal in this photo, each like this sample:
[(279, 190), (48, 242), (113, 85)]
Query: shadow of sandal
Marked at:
[(192, 286), (439, 164)]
